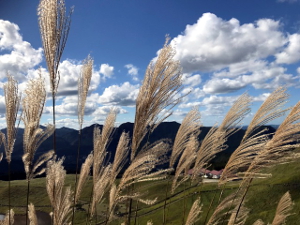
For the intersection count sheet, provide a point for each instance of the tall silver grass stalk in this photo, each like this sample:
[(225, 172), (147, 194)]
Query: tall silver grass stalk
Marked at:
[(33, 104), (84, 81), (253, 144), (158, 95), (224, 208), (240, 218), (54, 26), (60, 200), (12, 103), (115, 169), (139, 171), (283, 210), (253, 141), (186, 160), (120, 156), (193, 215), (83, 177), (276, 149), (190, 127), (101, 142), (83, 88), (214, 141), (101, 175)]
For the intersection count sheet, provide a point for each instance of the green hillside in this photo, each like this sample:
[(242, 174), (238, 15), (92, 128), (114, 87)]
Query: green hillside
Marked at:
[(262, 198)]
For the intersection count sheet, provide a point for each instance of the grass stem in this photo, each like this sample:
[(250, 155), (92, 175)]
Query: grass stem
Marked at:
[(76, 177), (27, 199), (9, 171), (53, 116)]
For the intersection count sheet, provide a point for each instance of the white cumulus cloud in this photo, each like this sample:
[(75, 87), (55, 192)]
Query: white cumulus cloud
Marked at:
[(69, 71), (213, 43), (224, 85), (132, 71), (260, 98), (231, 56), (291, 53), (263, 75), (17, 56), (123, 95), (107, 70), (191, 80), (104, 110), (223, 100)]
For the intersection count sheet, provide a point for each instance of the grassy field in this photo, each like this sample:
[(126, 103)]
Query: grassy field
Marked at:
[(262, 198)]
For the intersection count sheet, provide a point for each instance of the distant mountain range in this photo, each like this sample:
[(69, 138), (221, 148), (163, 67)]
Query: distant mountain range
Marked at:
[(67, 144)]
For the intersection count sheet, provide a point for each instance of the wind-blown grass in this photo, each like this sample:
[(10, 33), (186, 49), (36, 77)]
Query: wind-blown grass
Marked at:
[(104, 196)]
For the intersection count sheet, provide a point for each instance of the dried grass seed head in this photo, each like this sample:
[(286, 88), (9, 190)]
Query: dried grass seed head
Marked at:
[(33, 105), (54, 26), (269, 110), (120, 156), (100, 187), (186, 160), (224, 208), (141, 168), (32, 215), (84, 173), (33, 102), (280, 146), (32, 170), (60, 200), (240, 218), (214, 141), (83, 86), (254, 141), (158, 95), (55, 178), (101, 141), (9, 218), (258, 222), (190, 126), (12, 105), (285, 137), (193, 215), (283, 209), (243, 156), (238, 111)]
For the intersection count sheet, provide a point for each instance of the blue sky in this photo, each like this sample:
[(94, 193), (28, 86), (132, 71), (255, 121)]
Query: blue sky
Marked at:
[(225, 48)]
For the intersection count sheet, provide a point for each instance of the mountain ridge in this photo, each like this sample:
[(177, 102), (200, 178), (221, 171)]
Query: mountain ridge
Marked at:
[(67, 144)]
